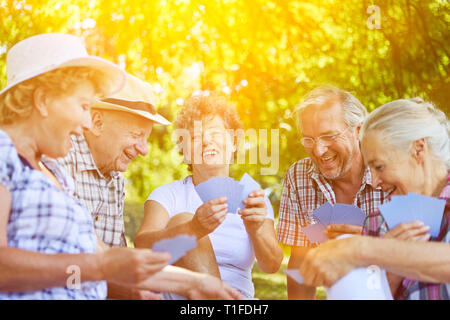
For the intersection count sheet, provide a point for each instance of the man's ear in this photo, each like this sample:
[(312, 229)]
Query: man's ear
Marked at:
[(419, 149), (40, 101), (98, 122)]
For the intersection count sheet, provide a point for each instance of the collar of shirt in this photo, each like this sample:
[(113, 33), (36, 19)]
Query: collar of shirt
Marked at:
[(84, 159)]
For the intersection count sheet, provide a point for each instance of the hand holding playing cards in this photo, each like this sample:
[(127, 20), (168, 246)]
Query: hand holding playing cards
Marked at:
[(413, 231), (209, 216), (333, 231), (328, 263), (255, 211)]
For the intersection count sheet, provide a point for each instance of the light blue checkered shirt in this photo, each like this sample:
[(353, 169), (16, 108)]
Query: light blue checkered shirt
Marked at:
[(45, 219)]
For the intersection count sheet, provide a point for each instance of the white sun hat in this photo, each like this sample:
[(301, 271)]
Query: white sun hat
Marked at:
[(49, 51), (136, 98)]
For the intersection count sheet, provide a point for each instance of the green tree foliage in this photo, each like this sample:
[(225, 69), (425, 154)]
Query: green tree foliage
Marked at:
[(264, 54)]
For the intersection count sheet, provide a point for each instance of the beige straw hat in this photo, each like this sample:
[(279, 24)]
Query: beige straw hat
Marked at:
[(136, 98), (46, 52)]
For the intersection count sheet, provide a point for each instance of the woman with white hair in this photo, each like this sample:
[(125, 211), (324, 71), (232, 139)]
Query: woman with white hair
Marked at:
[(406, 145)]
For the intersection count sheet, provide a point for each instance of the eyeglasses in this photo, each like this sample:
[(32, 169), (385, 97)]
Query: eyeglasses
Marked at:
[(325, 140)]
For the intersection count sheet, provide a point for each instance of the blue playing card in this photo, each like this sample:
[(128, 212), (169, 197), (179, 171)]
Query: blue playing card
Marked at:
[(177, 247), (429, 210), (414, 207), (294, 274), (347, 214), (213, 188), (220, 187), (248, 185), (324, 213), (314, 232), (235, 191)]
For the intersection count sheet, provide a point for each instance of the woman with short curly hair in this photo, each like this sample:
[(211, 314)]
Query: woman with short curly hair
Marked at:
[(209, 128)]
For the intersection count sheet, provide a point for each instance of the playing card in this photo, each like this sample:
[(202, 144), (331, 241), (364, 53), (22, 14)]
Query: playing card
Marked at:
[(429, 210), (177, 247), (396, 211), (347, 214), (248, 185), (294, 274), (414, 207), (314, 232), (324, 213), (218, 187)]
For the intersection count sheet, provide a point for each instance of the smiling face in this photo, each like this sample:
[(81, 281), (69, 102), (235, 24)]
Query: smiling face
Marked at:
[(211, 144), (334, 160), (119, 137), (67, 114), (393, 170)]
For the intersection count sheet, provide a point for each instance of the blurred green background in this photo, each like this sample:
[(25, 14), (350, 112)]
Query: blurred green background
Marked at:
[(264, 55)]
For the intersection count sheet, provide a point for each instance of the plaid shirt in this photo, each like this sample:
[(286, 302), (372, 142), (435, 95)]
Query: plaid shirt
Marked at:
[(45, 219), (305, 189), (376, 226), (104, 198)]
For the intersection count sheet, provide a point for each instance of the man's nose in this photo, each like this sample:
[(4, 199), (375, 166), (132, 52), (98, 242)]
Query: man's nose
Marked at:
[(142, 147), (319, 149), (376, 181)]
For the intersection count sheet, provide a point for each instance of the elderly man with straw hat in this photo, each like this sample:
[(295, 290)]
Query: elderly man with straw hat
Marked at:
[(121, 125)]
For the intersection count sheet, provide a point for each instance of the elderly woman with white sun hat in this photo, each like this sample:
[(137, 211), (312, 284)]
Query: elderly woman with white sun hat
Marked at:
[(44, 231)]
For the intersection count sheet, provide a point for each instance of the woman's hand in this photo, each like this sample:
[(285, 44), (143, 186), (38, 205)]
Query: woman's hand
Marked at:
[(413, 231), (126, 266), (329, 262), (209, 216), (255, 211)]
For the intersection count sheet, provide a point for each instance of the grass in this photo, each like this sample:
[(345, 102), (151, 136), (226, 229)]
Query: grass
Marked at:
[(267, 286)]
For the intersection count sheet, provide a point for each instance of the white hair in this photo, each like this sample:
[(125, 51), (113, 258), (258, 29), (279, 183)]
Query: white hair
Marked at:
[(401, 122), (354, 111)]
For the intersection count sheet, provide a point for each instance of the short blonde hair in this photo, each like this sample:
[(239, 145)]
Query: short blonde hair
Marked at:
[(401, 122), (17, 102)]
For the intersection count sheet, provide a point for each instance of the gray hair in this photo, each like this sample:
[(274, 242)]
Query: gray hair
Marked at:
[(401, 122), (354, 112)]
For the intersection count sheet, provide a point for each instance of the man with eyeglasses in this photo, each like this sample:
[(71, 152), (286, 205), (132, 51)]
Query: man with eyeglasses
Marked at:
[(329, 120)]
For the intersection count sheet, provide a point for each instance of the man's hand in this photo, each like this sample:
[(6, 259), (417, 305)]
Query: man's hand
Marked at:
[(333, 231), (209, 216), (325, 265), (255, 211), (207, 287), (130, 267)]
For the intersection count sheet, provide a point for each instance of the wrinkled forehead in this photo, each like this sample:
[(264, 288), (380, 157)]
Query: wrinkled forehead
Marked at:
[(125, 120), (374, 147), (320, 119)]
